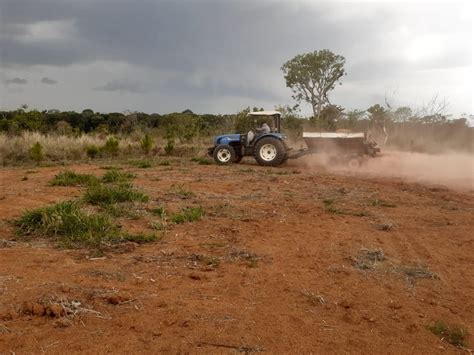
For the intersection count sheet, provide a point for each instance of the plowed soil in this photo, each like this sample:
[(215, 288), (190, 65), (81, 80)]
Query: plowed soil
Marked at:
[(285, 260)]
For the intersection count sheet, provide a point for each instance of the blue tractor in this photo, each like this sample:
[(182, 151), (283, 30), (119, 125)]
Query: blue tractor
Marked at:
[(267, 145)]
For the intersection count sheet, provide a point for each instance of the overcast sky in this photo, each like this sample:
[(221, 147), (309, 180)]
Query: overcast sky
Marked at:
[(221, 56)]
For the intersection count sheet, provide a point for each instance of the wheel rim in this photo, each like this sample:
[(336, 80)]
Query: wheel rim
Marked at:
[(268, 152), (223, 155)]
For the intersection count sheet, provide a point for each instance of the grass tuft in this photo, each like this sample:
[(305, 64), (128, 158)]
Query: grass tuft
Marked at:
[(115, 175), (98, 194), (71, 178), (454, 335), (188, 214)]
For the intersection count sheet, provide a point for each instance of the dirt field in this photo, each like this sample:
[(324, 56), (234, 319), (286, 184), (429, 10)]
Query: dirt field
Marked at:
[(285, 260)]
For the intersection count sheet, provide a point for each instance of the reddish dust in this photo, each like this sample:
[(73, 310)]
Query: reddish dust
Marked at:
[(453, 170)]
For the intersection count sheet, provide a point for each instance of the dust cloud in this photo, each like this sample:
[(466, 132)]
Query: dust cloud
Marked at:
[(453, 170)]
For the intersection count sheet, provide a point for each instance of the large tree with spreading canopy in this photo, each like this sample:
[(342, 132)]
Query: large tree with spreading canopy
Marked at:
[(312, 76)]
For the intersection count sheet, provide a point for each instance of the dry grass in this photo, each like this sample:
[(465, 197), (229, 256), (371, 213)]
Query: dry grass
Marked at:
[(55, 147)]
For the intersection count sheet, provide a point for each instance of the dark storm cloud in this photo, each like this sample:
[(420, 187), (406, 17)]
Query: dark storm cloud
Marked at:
[(16, 81), (48, 81), (124, 85), (231, 46), (189, 35)]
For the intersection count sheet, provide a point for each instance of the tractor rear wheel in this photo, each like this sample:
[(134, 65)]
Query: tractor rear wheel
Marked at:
[(224, 154), (270, 152)]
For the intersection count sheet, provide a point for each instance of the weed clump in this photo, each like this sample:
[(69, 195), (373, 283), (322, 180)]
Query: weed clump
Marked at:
[(71, 178), (99, 194), (188, 214), (454, 335)]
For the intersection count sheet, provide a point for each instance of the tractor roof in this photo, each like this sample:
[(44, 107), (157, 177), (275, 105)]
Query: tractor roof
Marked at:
[(265, 113)]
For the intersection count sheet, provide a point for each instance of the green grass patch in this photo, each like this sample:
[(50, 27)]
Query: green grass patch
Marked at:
[(201, 161), (188, 214), (115, 175), (99, 194), (69, 225), (71, 178), (164, 163), (454, 335), (66, 223)]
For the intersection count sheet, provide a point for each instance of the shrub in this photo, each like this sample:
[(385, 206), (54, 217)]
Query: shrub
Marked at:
[(188, 214), (111, 146), (36, 152), (71, 178), (92, 151), (146, 143), (99, 194), (115, 175)]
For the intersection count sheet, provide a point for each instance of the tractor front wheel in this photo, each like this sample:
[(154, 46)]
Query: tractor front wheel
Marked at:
[(270, 152), (224, 154)]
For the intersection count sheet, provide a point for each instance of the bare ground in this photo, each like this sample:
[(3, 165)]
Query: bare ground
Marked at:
[(280, 263)]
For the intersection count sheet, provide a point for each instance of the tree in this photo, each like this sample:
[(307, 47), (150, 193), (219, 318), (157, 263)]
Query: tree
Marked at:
[(312, 76), (329, 117)]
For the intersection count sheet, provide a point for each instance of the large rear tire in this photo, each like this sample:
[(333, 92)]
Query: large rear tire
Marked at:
[(224, 154), (270, 152)]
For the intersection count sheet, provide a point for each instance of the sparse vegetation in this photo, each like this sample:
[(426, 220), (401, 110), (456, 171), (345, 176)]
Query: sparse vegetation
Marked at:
[(210, 261), (382, 203), (180, 191), (454, 335), (417, 272), (188, 214), (142, 164), (201, 161), (367, 259), (115, 175), (71, 178)]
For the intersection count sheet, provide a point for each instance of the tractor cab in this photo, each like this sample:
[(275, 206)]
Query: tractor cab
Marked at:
[(265, 144)]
